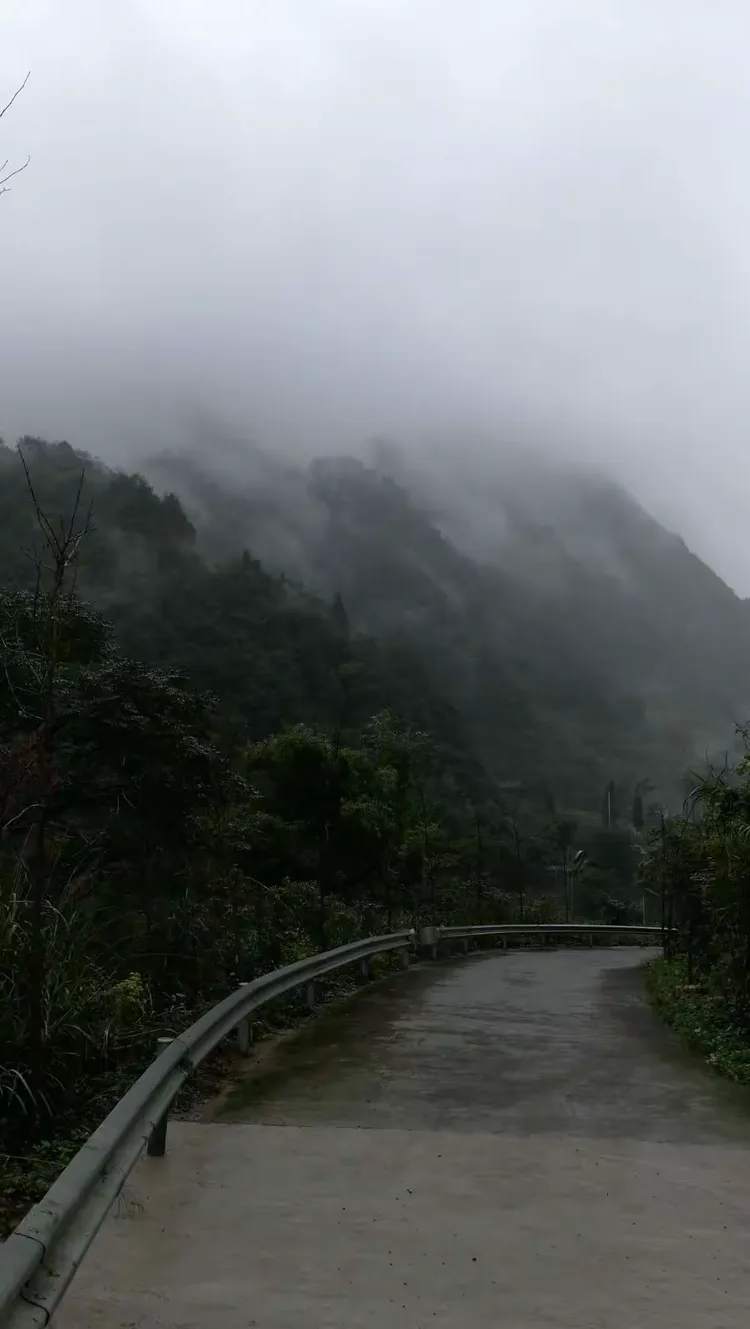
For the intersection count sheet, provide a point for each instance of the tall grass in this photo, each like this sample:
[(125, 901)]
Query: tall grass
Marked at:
[(92, 1016)]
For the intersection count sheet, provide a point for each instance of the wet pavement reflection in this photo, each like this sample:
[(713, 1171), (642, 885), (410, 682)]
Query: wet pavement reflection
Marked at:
[(517, 1042)]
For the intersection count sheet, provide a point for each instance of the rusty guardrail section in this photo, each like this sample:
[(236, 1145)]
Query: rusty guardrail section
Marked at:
[(39, 1259)]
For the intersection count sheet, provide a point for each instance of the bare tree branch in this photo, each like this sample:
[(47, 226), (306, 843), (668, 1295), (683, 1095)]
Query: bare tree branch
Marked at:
[(19, 815), (4, 186), (63, 546), (17, 93), (9, 175)]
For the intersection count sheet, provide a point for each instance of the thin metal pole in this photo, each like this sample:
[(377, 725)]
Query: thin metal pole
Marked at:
[(157, 1141), (244, 1033)]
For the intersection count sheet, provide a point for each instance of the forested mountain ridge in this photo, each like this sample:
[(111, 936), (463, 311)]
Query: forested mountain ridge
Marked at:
[(544, 627), (271, 652), (578, 640)]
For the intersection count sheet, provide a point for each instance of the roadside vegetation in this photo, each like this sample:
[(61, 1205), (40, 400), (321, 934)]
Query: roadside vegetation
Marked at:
[(704, 1020), (206, 773), (698, 865)]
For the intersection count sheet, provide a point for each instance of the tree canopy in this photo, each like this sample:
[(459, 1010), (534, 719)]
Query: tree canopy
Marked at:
[(208, 768)]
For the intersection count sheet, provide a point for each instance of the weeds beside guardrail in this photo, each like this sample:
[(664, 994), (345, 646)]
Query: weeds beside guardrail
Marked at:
[(40, 1258)]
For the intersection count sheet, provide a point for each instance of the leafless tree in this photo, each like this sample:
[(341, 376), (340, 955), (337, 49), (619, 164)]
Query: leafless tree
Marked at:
[(6, 172), (34, 789)]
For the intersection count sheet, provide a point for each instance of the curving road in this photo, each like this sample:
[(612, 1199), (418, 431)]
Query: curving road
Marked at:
[(511, 1139)]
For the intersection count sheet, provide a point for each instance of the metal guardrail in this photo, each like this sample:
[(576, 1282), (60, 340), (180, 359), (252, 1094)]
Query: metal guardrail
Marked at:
[(552, 929), (39, 1259), (430, 938)]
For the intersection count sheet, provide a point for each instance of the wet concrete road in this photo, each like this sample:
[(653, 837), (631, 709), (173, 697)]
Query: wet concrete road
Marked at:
[(519, 1043), (511, 1139)]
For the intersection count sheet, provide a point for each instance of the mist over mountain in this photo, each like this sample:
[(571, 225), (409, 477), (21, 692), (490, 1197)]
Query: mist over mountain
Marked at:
[(570, 637), (403, 349), (574, 634)]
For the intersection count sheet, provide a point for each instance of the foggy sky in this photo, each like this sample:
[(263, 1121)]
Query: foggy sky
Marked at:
[(328, 219)]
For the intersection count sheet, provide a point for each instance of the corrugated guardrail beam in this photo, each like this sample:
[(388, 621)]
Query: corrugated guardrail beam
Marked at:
[(40, 1258), (430, 938), (551, 929)]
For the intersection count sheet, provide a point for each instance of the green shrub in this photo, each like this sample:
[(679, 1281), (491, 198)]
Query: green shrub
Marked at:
[(706, 1022)]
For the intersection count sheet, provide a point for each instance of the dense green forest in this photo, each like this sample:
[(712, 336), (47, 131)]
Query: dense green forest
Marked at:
[(212, 764), (698, 868), (576, 639)]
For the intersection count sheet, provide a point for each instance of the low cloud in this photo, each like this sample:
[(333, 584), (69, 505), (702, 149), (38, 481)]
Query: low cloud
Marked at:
[(327, 219)]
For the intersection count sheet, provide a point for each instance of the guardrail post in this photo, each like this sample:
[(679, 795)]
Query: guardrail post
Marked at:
[(244, 1033), (157, 1140), (405, 958), (428, 940), (365, 967), (310, 995), (465, 945)]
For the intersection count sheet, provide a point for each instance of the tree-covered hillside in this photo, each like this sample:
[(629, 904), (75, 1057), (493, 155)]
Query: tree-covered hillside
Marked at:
[(577, 640), (272, 652), (211, 765)]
